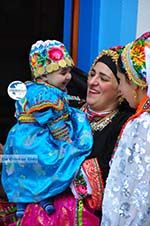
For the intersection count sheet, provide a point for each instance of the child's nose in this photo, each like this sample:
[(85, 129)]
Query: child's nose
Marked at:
[(68, 76)]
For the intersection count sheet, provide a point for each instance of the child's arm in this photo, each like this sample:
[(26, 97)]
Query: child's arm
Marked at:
[(49, 110)]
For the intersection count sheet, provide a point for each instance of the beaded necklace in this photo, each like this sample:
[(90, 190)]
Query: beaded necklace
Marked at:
[(99, 121)]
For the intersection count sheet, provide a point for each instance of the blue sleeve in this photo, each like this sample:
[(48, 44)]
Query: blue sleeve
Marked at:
[(48, 108), (44, 103)]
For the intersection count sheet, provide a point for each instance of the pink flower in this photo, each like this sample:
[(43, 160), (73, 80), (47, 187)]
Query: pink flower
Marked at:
[(55, 54), (82, 189)]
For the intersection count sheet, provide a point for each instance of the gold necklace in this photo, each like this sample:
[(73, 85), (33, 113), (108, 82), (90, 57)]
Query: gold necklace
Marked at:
[(99, 124)]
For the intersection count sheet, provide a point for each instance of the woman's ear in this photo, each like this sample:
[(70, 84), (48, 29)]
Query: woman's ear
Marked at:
[(119, 94), (120, 97), (133, 85)]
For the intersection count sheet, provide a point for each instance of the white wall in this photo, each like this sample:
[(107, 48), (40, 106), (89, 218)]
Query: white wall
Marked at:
[(143, 17)]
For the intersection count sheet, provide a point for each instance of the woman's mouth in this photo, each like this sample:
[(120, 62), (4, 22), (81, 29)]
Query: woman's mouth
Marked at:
[(92, 91)]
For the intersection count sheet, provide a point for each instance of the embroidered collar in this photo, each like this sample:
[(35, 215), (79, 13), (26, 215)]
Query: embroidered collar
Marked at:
[(98, 120), (67, 96), (99, 123), (57, 90), (40, 81), (93, 115), (144, 105)]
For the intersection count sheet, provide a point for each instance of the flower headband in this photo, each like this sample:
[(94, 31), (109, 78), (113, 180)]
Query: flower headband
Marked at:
[(147, 56), (47, 57), (112, 52), (133, 58), (110, 58)]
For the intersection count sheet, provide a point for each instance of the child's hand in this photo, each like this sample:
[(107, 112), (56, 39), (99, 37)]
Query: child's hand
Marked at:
[(69, 140)]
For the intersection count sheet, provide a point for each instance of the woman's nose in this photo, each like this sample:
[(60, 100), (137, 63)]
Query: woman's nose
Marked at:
[(93, 80)]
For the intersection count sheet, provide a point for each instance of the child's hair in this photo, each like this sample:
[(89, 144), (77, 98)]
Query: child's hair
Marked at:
[(48, 56)]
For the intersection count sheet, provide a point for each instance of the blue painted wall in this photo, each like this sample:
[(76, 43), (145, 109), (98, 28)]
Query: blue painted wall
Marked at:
[(67, 23), (118, 21), (102, 24), (88, 33)]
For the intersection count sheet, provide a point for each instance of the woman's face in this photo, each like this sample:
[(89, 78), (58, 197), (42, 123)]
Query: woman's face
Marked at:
[(127, 89), (102, 92)]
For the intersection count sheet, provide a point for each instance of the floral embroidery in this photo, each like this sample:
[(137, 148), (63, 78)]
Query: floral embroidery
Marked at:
[(133, 58), (47, 57), (138, 56), (79, 186), (55, 54), (94, 175)]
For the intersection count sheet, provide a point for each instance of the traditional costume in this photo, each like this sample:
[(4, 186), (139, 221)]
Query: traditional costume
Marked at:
[(82, 205), (51, 139), (127, 193)]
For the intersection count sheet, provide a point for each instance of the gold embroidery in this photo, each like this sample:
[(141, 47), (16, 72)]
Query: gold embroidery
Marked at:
[(94, 174), (26, 118), (100, 123)]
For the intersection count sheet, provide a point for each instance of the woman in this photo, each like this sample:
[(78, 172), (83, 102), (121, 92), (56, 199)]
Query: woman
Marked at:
[(127, 193), (106, 116)]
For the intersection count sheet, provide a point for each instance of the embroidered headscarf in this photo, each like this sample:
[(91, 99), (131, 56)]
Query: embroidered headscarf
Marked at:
[(47, 57), (110, 58), (135, 61)]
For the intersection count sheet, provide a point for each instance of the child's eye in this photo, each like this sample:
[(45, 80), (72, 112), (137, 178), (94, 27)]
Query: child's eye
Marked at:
[(63, 73)]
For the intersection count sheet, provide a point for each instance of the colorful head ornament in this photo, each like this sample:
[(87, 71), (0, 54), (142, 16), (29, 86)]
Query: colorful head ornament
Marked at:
[(110, 58), (47, 57), (145, 36), (134, 60)]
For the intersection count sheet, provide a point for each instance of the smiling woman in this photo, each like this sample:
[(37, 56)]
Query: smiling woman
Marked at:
[(81, 205), (100, 82)]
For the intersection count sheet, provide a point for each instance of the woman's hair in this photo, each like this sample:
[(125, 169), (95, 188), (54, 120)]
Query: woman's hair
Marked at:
[(109, 57), (121, 68), (106, 59)]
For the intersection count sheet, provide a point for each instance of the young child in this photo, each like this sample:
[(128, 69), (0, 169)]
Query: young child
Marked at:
[(48, 128)]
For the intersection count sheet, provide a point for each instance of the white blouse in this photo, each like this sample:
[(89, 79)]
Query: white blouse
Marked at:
[(127, 194)]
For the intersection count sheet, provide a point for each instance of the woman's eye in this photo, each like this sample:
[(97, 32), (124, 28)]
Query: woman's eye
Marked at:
[(104, 79), (92, 73)]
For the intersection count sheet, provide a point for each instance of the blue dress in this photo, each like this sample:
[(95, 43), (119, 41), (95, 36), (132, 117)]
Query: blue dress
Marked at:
[(46, 146)]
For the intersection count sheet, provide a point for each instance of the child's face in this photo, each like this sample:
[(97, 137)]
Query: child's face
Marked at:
[(59, 78)]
